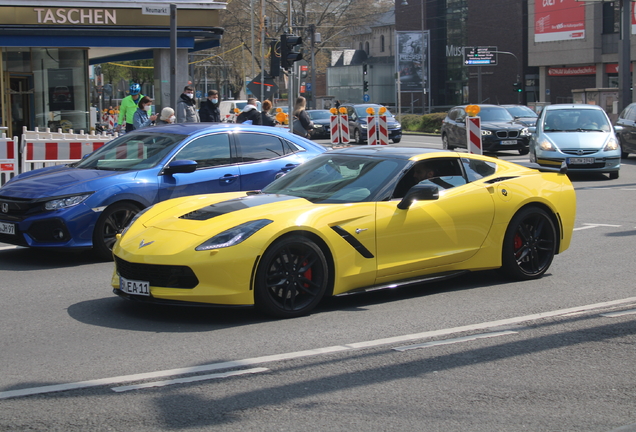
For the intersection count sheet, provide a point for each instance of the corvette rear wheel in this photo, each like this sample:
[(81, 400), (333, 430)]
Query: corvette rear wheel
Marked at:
[(112, 221), (529, 245), (292, 278)]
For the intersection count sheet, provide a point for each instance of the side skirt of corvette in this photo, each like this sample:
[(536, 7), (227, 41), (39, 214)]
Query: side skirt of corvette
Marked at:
[(407, 282)]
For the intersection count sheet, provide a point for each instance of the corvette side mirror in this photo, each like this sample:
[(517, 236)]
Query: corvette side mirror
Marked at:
[(419, 192)]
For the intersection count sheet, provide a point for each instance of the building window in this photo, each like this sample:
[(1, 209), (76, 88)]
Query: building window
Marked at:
[(360, 47), (382, 43), (611, 17), (366, 47)]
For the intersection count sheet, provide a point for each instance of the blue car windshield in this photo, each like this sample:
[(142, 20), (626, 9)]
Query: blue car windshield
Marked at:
[(339, 179), (132, 151)]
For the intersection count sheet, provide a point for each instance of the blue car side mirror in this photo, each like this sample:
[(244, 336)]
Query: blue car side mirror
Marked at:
[(182, 166)]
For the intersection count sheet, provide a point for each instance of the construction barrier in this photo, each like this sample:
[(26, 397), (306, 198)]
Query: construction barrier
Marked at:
[(39, 149), (339, 128), (383, 130), (473, 135), (9, 162), (372, 130)]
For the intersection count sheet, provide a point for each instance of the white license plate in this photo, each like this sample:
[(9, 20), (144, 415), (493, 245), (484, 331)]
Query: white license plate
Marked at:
[(579, 161), (7, 228), (509, 142), (134, 286)]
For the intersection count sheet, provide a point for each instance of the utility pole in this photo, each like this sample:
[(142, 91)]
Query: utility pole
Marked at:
[(624, 61)]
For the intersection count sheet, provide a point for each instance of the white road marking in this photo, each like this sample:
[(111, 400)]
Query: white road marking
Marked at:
[(619, 313), (307, 353), (189, 379), (455, 340), (595, 225)]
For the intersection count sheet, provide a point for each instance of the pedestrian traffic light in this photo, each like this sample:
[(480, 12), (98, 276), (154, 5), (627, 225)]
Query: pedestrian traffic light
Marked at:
[(290, 46), (365, 86), (274, 58), (517, 87), (364, 69)]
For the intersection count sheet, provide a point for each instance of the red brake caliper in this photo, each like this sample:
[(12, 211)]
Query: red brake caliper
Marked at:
[(307, 274), (517, 243)]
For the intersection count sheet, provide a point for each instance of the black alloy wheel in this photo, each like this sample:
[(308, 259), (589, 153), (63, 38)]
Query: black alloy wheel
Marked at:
[(529, 244), (111, 222), (445, 144), (292, 278)]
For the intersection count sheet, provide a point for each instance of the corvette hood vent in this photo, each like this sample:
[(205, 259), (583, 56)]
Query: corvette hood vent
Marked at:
[(229, 206)]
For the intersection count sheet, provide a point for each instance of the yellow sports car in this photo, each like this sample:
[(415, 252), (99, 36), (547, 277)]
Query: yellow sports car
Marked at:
[(352, 219)]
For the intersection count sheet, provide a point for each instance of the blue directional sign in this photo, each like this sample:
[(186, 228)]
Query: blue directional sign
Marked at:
[(480, 56), (366, 98), (199, 94)]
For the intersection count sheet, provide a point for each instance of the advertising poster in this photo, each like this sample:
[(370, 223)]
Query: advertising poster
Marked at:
[(558, 20), (412, 60), (61, 96)]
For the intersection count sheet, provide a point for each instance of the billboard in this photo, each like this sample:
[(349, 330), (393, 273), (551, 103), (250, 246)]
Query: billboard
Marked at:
[(413, 60), (558, 20)]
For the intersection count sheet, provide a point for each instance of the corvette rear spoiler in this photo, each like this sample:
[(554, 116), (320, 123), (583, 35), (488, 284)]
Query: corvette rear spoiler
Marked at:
[(563, 169)]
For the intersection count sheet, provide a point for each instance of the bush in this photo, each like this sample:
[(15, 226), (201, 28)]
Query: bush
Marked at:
[(427, 123)]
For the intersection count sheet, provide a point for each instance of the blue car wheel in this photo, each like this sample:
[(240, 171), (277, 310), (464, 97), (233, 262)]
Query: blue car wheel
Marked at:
[(112, 221)]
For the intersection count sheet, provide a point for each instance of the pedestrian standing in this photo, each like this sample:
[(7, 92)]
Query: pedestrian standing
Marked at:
[(129, 107), (250, 112), (166, 117), (266, 118), (186, 107), (142, 117), (302, 123), (209, 111)]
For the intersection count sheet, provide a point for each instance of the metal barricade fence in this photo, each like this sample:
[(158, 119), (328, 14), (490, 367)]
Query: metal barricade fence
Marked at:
[(9, 162)]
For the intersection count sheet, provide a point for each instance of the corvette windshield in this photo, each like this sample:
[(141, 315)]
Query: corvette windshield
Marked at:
[(133, 151), (339, 179)]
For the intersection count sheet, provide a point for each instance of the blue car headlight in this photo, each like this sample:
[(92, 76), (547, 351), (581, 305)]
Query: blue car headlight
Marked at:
[(611, 144), (62, 203), (233, 236)]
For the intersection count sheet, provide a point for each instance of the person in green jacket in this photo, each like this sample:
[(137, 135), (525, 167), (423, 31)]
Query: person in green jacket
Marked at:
[(129, 106)]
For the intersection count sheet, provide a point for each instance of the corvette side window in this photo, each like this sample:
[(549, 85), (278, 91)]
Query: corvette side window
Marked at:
[(477, 169), (208, 151)]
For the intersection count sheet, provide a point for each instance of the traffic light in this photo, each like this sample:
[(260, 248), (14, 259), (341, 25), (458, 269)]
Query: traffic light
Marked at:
[(364, 69), (365, 86), (290, 50), (517, 87), (274, 58)]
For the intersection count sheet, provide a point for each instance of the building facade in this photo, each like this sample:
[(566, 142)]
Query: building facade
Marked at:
[(47, 48)]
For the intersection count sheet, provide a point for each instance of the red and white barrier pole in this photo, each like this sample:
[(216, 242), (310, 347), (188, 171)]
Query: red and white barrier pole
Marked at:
[(473, 130)]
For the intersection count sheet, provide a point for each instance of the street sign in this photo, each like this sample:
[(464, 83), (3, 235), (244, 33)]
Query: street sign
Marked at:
[(366, 98), (480, 56), (269, 88), (155, 9), (199, 94)]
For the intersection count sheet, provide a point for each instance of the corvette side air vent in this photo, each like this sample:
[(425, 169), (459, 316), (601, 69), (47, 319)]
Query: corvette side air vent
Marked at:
[(500, 179)]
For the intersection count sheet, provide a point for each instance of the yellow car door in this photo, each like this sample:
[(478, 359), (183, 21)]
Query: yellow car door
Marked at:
[(432, 233)]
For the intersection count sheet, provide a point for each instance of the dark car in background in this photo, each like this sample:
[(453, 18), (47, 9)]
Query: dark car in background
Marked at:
[(522, 114), (321, 119), (358, 122), (627, 133), (499, 130)]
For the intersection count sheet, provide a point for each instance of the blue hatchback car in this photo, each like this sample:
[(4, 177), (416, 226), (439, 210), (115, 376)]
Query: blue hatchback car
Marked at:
[(87, 203)]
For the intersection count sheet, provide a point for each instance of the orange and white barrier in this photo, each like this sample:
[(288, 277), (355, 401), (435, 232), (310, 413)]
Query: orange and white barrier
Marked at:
[(372, 130), (377, 130), (40, 149), (383, 130), (9, 163), (339, 127)]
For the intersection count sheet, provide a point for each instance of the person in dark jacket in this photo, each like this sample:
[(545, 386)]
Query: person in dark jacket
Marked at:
[(266, 117), (209, 111), (250, 112), (301, 116)]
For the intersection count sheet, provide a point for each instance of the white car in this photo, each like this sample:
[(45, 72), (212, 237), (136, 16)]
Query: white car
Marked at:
[(227, 107)]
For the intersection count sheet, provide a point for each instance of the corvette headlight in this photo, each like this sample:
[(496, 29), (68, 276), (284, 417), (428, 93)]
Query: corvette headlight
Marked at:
[(611, 144), (62, 203), (486, 132), (233, 236), (546, 145)]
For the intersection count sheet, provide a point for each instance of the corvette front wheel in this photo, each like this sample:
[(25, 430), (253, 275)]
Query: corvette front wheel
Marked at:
[(529, 245), (291, 279)]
